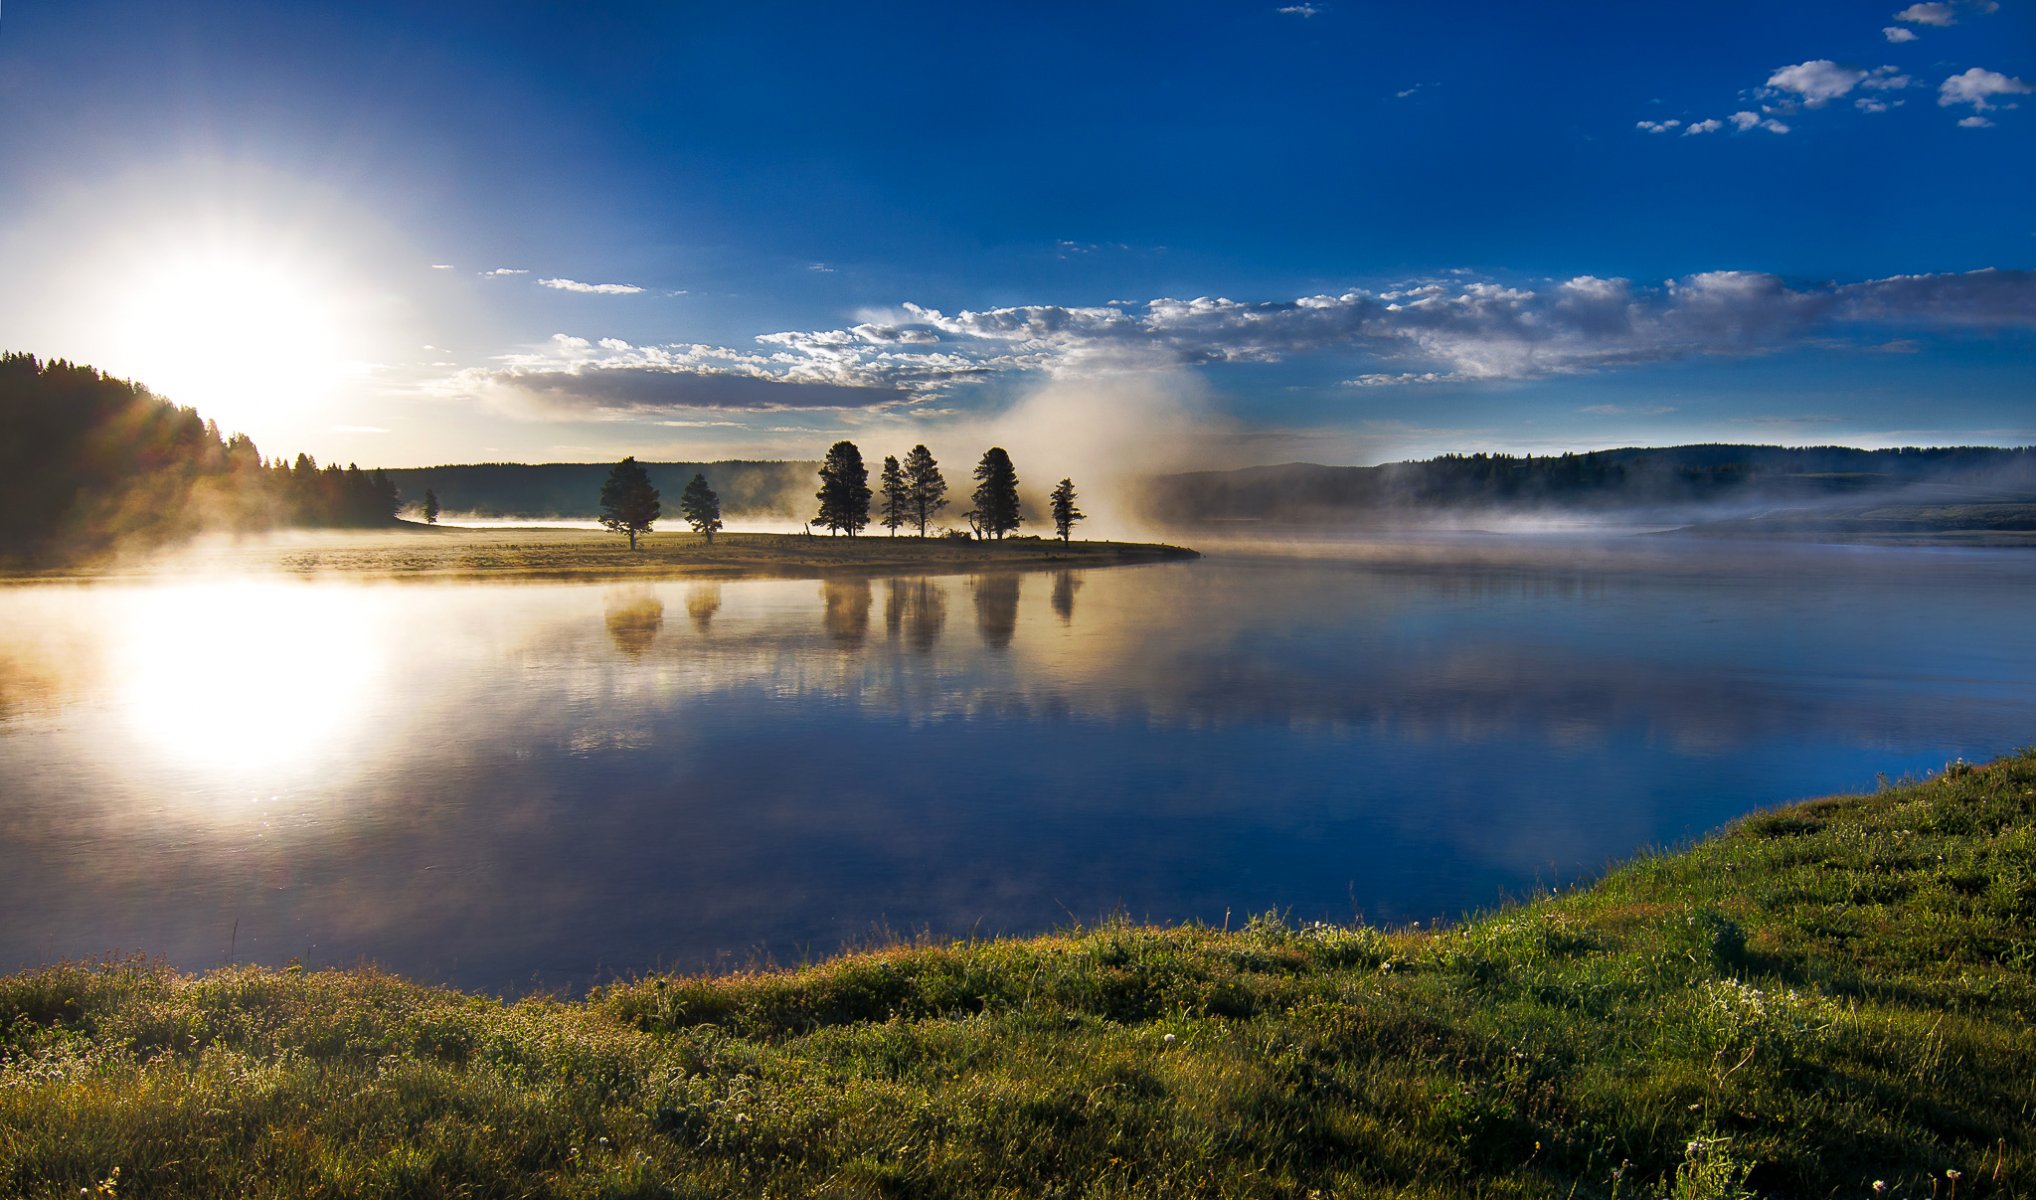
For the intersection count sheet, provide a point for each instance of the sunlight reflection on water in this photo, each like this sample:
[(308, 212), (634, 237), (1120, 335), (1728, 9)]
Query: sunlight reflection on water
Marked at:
[(496, 785)]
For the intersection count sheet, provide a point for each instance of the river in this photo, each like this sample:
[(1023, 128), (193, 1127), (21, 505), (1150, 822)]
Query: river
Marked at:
[(515, 787)]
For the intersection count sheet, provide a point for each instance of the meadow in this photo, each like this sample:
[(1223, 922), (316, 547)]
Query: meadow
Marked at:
[(1831, 999), (445, 553)]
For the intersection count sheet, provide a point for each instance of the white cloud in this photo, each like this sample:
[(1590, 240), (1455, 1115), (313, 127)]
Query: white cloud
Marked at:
[(1979, 88), (1818, 81), (1939, 15), (590, 289), (1897, 34), (499, 272), (1974, 123), (1657, 126), (1885, 79), (1707, 125), (1870, 105), (1300, 10), (441, 266), (1743, 121), (1423, 332)]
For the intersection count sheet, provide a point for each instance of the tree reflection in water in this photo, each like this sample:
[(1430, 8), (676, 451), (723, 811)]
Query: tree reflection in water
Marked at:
[(703, 600), (846, 616), (918, 609), (634, 618), (1065, 585), (997, 608)]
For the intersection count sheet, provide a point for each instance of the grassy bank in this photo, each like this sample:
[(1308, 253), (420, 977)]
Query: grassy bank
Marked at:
[(1820, 998), (445, 553)]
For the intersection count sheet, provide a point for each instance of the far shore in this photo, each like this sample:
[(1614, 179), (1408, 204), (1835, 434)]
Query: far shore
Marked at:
[(437, 553)]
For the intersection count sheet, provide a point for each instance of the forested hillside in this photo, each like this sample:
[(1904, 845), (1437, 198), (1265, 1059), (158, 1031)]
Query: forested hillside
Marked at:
[(574, 489), (90, 463), (1634, 478)]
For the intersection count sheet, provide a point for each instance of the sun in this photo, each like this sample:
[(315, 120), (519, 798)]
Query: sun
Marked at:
[(244, 335)]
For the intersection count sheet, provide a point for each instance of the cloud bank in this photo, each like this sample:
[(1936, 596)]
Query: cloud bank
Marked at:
[(1425, 332)]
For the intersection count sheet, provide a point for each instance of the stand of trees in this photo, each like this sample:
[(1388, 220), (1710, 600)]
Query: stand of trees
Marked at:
[(925, 489), (996, 495), (629, 505), (844, 490), (89, 462), (1065, 514), (914, 492), (701, 508)]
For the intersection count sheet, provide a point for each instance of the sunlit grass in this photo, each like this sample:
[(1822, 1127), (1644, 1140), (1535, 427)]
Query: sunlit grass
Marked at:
[(439, 553), (1826, 996)]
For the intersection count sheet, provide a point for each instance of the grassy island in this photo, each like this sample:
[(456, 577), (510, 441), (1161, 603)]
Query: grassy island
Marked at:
[(1820, 998), (432, 552)]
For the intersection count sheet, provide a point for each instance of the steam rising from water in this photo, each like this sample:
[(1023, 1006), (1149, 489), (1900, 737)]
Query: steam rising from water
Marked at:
[(1107, 428)]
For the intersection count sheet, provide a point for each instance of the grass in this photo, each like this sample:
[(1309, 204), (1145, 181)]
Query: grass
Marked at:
[(442, 553), (1820, 998)]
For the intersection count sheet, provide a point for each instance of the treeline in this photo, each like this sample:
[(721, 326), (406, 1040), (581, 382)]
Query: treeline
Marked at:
[(526, 490), (1598, 480), (89, 462)]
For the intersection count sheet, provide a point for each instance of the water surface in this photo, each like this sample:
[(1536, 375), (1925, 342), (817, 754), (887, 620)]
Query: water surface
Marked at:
[(516, 786)]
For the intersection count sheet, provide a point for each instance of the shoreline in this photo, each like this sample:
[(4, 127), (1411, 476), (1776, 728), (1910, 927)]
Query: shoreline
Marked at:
[(447, 554), (1818, 997)]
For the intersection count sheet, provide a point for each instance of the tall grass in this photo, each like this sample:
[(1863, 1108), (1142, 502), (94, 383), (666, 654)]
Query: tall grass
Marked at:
[(1822, 1001)]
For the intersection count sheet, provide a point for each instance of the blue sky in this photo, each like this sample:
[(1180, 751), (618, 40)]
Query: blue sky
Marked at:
[(1248, 232)]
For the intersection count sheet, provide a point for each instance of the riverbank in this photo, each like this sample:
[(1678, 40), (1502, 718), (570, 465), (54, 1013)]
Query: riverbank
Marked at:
[(441, 553), (1825, 996)]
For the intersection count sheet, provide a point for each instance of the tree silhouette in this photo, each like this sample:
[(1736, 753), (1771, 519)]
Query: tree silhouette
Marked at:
[(430, 507), (923, 484), (1065, 514), (897, 497), (996, 494), (844, 493), (701, 507), (628, 502)]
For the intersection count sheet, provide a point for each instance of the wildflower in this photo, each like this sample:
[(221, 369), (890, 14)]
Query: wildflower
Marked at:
[(1169, 1039), (1880, 1187)]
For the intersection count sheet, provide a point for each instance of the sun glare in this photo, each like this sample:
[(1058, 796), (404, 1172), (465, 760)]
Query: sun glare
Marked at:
[(242, 336), (249, 680)]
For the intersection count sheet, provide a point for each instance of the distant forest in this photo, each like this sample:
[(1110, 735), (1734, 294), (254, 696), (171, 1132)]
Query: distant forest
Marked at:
[(524, 490), (89, 463), (1661, 478)]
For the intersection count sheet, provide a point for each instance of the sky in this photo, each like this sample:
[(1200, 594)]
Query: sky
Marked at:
[(1190, 234)]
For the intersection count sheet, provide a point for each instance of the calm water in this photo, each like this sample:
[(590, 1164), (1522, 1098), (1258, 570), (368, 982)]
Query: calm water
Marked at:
[(516, 786)]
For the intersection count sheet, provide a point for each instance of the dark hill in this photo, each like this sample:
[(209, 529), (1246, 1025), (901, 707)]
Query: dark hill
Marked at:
[(1600, 482), (523, 490)]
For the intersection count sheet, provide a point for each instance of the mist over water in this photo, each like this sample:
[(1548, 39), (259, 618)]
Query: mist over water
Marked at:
[(516, 786)]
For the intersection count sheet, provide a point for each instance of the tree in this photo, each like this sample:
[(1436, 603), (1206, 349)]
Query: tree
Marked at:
[(897, 497), (628, 502), (924, 486), (996, 494), (1065, 514), (701, 507), (430, 507), (844, 493)]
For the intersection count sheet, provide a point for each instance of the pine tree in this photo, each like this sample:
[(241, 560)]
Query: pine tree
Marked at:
[(897, 498), (701, 507), (430, 507), (996, 494), (1065, 514), (844, 493), (628, 502), (924, 485)]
